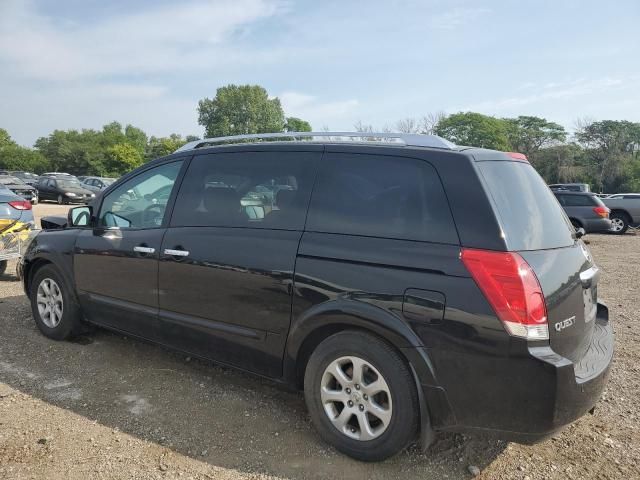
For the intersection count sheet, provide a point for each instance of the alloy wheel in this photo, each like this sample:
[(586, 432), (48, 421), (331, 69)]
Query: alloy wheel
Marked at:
[(617, 224), (356, 398), (50, 302)]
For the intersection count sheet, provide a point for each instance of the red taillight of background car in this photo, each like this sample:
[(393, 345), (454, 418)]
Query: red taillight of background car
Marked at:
[(602, 211), (21, 205), (518, 156), (512, 289)]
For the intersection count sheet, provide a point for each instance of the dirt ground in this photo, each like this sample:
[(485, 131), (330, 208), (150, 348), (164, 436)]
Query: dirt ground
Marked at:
[(108, 407)]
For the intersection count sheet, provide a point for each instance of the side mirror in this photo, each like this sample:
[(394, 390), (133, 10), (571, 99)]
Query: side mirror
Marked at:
[(580, 232), (80, 216)]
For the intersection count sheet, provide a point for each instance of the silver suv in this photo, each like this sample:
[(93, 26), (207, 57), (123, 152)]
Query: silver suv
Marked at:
[(625, 211)]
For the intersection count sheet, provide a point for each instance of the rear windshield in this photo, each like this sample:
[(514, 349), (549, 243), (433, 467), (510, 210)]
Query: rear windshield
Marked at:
[(530, 216), (567, 200)]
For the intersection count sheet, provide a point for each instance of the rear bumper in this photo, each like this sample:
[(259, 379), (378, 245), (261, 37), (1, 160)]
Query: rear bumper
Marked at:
[(578, 386), (594, 225), (527, 398)]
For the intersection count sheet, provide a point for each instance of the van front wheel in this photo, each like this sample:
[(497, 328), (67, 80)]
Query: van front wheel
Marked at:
[(361, 396)]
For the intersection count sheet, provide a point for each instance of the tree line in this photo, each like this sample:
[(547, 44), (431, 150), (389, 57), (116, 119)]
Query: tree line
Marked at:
[(604, 154)]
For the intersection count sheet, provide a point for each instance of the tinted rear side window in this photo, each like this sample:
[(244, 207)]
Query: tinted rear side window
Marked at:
[(530, 216), (246, 189), (578, 200), (380, 196)]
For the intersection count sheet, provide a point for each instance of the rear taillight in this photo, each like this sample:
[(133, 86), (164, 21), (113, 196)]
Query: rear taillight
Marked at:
[(602, 211), (512, 289), (21, 205), (518, 156)]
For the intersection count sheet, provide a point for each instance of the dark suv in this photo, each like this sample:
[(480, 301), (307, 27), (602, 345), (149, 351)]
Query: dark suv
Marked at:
[(409, 286)]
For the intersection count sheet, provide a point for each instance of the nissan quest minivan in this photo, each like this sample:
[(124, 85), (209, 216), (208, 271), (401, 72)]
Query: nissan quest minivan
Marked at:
[(409, 286)]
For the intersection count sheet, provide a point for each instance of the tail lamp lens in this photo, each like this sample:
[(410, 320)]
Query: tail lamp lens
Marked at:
[(602, 211), (21, 205), (512, 289)]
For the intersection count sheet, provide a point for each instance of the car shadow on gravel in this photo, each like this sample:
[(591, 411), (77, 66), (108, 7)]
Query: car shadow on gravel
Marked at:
[(215, 414)]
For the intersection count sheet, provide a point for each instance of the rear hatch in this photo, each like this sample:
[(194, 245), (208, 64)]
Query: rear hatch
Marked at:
[(534, 225)]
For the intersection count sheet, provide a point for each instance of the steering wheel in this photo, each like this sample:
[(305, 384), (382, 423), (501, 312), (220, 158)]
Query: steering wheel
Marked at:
[(152, 215)]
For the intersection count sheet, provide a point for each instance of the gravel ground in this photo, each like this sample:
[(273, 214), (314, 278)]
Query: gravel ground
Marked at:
[(109, 407)]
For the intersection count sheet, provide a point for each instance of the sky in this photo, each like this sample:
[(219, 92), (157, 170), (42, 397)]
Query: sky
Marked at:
[(72, 64)]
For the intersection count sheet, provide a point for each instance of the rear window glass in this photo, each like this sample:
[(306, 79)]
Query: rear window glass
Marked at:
[(379, 196), (578, 200), (530, 216)]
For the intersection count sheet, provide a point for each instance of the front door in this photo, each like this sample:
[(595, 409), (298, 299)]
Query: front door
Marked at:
[(229, 254), (116, 261)]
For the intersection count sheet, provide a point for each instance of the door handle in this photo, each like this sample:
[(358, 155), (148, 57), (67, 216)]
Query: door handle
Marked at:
[(141, 249), (176, 253)]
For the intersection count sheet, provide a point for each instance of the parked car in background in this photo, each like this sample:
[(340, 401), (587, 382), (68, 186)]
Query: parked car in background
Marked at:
[(407, 287), (96, 184), (625, 211), (15, 215), (572, 187), (27, 177), (20, 188), (63, 189), (585, 210)]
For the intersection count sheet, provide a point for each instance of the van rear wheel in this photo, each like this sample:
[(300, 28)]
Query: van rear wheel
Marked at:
[(361, 396)]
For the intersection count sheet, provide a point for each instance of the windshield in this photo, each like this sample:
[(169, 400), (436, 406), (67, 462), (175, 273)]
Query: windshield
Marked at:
[(68, 183), (530, 216)]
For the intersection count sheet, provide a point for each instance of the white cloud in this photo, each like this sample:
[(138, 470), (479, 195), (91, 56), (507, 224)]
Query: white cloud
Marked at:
[(551, 91), (316, 111), (456, 17), (185, 34)]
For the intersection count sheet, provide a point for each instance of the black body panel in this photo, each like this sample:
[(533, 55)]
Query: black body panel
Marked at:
[(233, 288)]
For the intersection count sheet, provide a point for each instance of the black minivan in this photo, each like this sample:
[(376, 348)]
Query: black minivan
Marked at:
[(407, 285)]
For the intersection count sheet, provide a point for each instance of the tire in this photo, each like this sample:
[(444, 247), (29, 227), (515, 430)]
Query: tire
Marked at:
[(66, 325), (34, 201), (619, 223), (576, 224), (399, 406), (60, 200), (3, 267)]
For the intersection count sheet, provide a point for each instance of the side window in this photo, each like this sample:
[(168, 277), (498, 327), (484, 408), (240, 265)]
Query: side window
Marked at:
[(52, 183), (246, 189), (140, 202), (579, 201), (380, 196)]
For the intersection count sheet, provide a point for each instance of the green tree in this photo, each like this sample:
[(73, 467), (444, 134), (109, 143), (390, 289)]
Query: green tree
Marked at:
[(294, 124), (240, 109), (162, 146), (529, 134), (123, 157), (474, 129), (610, 145), (16, 157)]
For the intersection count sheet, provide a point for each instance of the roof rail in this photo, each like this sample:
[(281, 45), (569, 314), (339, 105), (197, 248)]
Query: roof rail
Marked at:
[(402, 139)]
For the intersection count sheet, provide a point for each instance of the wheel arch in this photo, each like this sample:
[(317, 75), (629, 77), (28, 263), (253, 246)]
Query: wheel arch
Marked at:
[(621, 211), (316, 326), (325, 319)]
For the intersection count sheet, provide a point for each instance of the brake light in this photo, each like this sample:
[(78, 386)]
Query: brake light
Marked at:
[(602, 211), (21, 205), (518, 156), (512, 289)]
